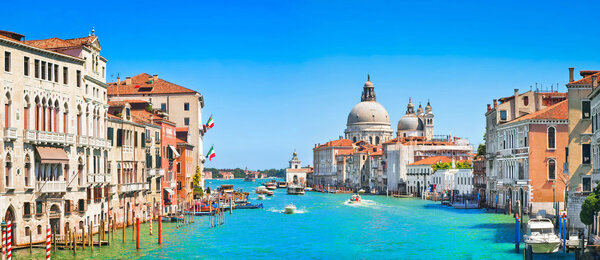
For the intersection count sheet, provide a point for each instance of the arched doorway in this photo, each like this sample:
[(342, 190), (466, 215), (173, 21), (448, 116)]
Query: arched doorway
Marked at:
[(521, 198), (10, 216), (55, 216), (418, 189)]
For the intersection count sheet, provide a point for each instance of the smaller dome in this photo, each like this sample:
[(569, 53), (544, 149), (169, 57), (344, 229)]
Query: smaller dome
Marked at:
[(295, 154), (410, 122), (420, 110), (368, 84), (428, 108)]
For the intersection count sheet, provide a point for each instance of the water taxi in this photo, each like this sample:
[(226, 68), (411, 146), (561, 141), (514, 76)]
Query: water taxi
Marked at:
[(271, 185), (295, 190), (282, 185), (541, 236), (290, 209), (261, 197), (355, 198), (269, 193)]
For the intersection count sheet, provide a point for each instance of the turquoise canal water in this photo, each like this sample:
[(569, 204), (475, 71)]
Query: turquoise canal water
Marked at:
[(325, 228)]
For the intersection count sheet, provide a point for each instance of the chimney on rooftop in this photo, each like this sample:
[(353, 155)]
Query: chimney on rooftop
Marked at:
[(489, 107), (154, 77), (118, 80), (594, 81), (495, 103), (571, 70), (128, 80)]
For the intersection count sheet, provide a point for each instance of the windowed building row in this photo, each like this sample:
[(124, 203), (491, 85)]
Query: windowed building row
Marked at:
[(70, 157)]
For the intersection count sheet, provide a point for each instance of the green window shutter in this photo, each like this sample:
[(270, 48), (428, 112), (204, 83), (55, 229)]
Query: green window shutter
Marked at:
[(119, 137)]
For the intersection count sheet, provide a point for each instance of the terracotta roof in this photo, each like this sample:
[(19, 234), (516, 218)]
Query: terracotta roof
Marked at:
[(432, 160), (337, 143), (52, 43), (116, 103), (143, 116), (587, 77), (140, 85), (136, 101), (558, 111), (57, 43), (83, 40), (113, 116), (345, 152)]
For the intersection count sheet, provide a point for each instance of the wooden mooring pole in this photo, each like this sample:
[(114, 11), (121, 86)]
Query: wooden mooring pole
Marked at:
[(137, 240)]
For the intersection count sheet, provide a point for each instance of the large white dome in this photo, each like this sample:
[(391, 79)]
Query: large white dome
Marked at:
[(410, 122), (368, 112)]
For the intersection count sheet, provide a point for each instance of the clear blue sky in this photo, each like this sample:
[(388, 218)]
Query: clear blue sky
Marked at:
[(283, 75)]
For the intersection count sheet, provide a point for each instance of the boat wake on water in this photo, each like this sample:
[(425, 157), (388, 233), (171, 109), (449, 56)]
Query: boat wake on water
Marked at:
[(362, 203), (282, 211)]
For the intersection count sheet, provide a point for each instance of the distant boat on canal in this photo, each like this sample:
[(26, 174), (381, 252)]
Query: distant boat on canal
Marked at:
[(294, 189)]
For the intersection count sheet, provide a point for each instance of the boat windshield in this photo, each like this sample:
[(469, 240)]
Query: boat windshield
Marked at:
[(541, 231)]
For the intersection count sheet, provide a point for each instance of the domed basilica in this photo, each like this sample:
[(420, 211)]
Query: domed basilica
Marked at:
[(369, 121)]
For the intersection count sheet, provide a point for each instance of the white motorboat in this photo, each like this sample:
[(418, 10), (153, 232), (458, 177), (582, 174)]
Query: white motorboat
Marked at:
[(290, 209), (361, 191), (541, 236), (308, 189), (261, 196)]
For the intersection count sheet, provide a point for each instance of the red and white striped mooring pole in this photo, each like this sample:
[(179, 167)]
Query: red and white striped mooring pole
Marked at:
[(48, 245), (9, 241)]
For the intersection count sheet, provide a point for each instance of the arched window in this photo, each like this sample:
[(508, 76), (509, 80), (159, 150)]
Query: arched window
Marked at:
[(26, 113), (28, 171), (525, 101), (7, 115), (551, 138), (354, 139), (377, 140), (551, 169), (371, 139), (8, 171)]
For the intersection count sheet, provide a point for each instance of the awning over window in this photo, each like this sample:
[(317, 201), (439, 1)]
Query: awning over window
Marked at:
[(170, 191), (175, 153), (52, 155)]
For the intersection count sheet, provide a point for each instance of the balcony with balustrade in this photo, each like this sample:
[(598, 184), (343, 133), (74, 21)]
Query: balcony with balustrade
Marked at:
[(155, 172), (82, 140), (51, 186), (29, 135), (131, 187), (10, 133), (70, 138)]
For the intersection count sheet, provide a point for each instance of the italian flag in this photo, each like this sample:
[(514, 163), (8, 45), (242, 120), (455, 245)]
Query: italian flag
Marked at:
[(210, 124), (211, 153)]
